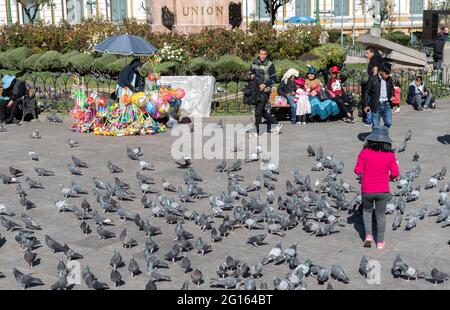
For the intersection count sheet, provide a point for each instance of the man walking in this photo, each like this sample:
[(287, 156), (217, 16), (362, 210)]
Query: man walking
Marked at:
[(373, 68), (266, 75)]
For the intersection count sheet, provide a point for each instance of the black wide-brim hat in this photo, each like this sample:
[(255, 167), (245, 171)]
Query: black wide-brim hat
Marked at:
[(379, 134)]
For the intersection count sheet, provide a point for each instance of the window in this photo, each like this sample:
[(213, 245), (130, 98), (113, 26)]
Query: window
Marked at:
[(75, 11), (118, 10), (303, 7), (338, 5), (261, 9), (416, 7), (26, 20)]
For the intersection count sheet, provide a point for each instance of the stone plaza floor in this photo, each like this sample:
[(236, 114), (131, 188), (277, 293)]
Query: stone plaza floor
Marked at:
[(423, 248)]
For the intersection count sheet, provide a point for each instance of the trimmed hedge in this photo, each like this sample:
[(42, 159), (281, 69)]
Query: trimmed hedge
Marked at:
[(201, 66), (230, 68), (65, 58), (81, 63), (32, 62), (398, 37), (14, 59), (49, 61), (103, 64)]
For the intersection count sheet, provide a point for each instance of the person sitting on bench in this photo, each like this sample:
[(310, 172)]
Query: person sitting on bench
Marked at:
[(419, 96)]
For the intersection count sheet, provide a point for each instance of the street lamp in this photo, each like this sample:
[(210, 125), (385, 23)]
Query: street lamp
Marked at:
[(91, 4), (52, 5)]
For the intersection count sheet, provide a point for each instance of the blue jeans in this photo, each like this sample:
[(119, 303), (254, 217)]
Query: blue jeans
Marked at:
[(368, 118), (383, 111), (290, 100)]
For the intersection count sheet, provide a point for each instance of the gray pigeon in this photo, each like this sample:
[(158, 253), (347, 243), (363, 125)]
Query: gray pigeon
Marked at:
[(74, 170), (113, 168), (310, 151), (416, 156), (53, 245), (78, 162), (438, 276), (30, 222), (15, 172), (104, 234), (235, 166), (61, 284), (131, 154), (402, 147), (364, 267), (127, 242), (44, 172), (35, 134), (225, 282), (185, 264), (338, 273), (71, 254), (397, 220), (133, 267), (408, 135), (29, 257), (72, 143), (150, 286), (33, 155), (221, 167), (197, 277), (116, 260), (26, 280), (115, 277), (256, 240), (156, 275)]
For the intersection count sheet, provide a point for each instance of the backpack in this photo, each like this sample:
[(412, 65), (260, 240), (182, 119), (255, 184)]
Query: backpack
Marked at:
[(19, 89), (252, 94)]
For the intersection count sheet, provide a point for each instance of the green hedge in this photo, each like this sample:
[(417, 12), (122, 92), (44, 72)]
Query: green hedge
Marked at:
[(104, 63), (32, 62), (230, 68), (49, 61), (81, 63), (397, 37), (201, 66), (14, 59), (65, 58)]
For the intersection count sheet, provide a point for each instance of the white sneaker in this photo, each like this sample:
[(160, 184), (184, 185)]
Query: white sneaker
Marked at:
[(298, 123), (303, 123), (367, 125), (252, 135)]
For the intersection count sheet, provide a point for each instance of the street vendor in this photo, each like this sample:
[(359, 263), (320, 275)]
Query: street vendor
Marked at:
[(130, 77)]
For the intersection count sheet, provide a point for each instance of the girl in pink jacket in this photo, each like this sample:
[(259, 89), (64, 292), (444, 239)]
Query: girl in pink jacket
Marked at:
[(376, 165)]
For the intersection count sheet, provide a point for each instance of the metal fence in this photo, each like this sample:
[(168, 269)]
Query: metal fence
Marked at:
[(54, 92)]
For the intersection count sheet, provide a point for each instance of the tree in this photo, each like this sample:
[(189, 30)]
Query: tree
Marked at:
[(147, 6), (32, 7), (272, 7), (386, 10)]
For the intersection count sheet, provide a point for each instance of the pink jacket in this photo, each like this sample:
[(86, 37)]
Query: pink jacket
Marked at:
[(375, 169)]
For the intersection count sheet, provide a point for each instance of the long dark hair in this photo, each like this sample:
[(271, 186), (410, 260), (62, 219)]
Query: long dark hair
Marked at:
[(378, 146)]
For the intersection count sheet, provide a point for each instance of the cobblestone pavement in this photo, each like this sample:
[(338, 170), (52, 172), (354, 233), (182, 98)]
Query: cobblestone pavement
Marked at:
[(423, 247)]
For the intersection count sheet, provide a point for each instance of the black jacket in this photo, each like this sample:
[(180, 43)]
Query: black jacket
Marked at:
[(127, 73), (439, 46), (372, 93), (16, 90), (285, 88)]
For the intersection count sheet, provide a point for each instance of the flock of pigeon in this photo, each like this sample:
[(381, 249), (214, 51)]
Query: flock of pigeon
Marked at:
[(317, 207)]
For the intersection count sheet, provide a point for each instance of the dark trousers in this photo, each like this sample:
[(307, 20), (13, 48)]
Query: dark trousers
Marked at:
[(380, 200), (5, 114), (261, 112), (341, 102)]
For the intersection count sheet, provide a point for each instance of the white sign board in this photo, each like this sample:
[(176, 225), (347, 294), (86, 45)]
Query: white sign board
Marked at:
[(199, 93)]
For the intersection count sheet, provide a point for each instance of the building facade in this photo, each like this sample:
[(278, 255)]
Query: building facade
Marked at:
[(349, 15)]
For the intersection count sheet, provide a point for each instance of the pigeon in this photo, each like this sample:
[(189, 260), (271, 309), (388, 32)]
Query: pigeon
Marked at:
[(61, 284), (2, 128), (29, 257), (364, 267), (116, 260), (146, 166), (438, 276), (172, 255), (281, 284), (221, 167), (156, 275), (310, 151), (104, 234), (225, 282), (71, 254), (127, 242), (432, 182), (61, 268), (273, 254), (9, 225), (416, 156), (235, 166), (150, 286), (115, 277), (408, 135), (54, 119), (113, 168), (201, 247), (26, 204), (7, 179), (133, 267), (168, 186), (53, 245), (72, 143), (74, 170), (185, 264), (215, 235), (44, 172), (197, 277), (186, 164), (35, 134), (15, 172), (319, 153), (32, 155), (219, 123), (85, 227), (131, 154), (338, 273), (77, 189), (256, 240), (397, 220), (402, 147), (26, 280), (30, 222), (66, 191), (79, 163), (62, 205)]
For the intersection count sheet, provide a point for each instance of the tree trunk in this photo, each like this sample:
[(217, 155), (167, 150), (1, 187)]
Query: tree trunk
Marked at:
[(149, 11)]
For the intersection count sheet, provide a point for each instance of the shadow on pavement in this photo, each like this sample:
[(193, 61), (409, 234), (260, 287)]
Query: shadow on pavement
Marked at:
[(445, 139)]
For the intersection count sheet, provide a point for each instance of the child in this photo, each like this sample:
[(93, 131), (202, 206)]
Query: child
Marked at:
[(396, 101), (302, 101), (337, 92), (376, 164)]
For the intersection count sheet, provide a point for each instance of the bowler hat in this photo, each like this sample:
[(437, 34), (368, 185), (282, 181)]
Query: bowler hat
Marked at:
[(379, 134), (312, 70)]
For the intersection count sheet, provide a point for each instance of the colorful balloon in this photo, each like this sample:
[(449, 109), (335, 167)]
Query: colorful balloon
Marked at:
[(150, 107)]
